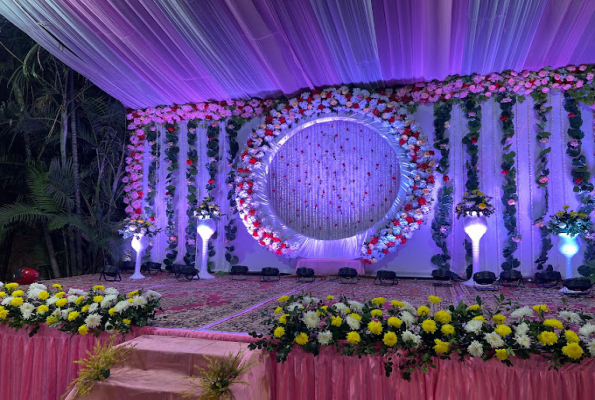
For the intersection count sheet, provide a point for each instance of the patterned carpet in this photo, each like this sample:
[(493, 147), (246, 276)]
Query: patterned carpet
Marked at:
[(236, 306)]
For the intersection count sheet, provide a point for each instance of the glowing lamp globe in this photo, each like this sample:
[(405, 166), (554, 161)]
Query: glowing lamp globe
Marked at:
[(205, 229), (475, 227), (568, 246), (26, 276)]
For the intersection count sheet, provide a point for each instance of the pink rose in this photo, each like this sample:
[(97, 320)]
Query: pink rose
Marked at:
[(511, 81), (463, 94), (582, 68), (544, 81), (511, 202), (557, 77), (590, 76), (544, 179), (528, 84), (571, 68), (488, 94), (569, 78), (542, 73), (513, 73), (525, 74), (492, 87), (566, 86), (579, 84)]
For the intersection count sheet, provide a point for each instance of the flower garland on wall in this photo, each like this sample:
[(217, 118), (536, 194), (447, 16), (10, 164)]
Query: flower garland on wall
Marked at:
[(213, 130), (172, 151), (191, 174), (542, 177), (509, 187), (153, 142), (231, 230), (442, 224), (374, 105)]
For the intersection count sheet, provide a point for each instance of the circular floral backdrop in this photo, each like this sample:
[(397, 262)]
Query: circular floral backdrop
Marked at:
[(295, 176)]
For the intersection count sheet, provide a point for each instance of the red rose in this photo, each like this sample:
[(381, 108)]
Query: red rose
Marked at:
[(409, 219), (385, 251), (356, 105), (402, 142), (369, 251), (170, 128), (189, 162), (446, 178), (256, 224), (418, 222), (301, 111), (211, 181), (430, 179), (141, 137), (366, 261), (403, 241), (255, 233), (140, 194), (396, 222), (167, 193), (282, 120), (253, 160), (504, 172), (374, 240), (269, 119), (474, 140), (421, 201), (152, 218), (283, 245), (570, 115), (278, 252), (268, 132), (391, 119), (138, 211), (252, 212), (408, 207), (504, 118), (250, 142), (578, 180), (320, 107)]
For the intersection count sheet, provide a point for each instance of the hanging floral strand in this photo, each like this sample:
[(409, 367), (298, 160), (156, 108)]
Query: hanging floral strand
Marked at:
[(442, 223), (213, 155), (171, 152), (231, 230), (153, 142), (191, 173), (509, 186), (543, 172)]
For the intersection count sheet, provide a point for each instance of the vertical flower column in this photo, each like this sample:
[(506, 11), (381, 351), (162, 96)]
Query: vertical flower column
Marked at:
[(543, 172), (191, 173), (153, 143), (509, 186), (442, 223), (171, 152), (232, 128), (213, 130)]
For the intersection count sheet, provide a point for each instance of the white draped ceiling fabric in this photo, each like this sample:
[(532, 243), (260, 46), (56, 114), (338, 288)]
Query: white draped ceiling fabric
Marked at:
[(161, 52)]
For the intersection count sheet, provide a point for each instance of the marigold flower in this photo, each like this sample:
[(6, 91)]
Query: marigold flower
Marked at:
[(397, 303), (503, 330), (572, 350), (394, 321), (52, 319), (283, 299), (429, 326), (443, 317), (301, 339), (441, 347), (17, 301), (376, 313), (353, 337), (97, 299), (499, 319), (390, 339), (99, 288), (83, 329), (85, 308), (60, 295), (43, 295), (501, 354), (57, 286), (474, 307), (434, 299), (126, 321), (73, 315), (112, 311), (540, 308), (79, 300), (61, 302), (571, 337), (547, 338), (379, 301), (554, 323), (279, 331), (278, 310), (337, 321), (447, 330), (42, 308), (375, 327), (356, 316), (283, 319), (479, 318), (2, 294), (18, 293), (11, 286), (423, 311), (3, 313)]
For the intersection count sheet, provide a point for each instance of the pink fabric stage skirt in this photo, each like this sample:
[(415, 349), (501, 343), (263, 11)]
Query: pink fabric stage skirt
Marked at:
[(323, 266)]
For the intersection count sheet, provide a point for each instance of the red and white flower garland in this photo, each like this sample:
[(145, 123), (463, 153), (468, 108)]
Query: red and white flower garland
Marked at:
[(381, 106)]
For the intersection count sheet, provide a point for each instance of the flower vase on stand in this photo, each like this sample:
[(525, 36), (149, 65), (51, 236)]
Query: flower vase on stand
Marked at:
[(568, 246), (139, 244), (205, 229), (475, 228)]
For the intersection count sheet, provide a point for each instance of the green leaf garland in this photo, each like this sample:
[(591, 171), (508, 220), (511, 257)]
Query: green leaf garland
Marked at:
[(153, 142), (213, 130), (191, 173), (172, 151), (232, 128)]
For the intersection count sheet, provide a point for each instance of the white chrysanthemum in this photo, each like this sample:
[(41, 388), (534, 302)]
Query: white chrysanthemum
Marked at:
[(151, 294), (64, 313), (586, 330), (121, 306), (93, 320), (315, 300), (77, 292), (570, 316), (408, 336), (522, 312), (523, 341), (307, 300), (27, 310), (409, 308), (341, 307), (108, 300), (111, 291), (325, 337), (52, 300), (7, 300), (353, 323), (72, 298), (522, 329), (475, 349), (494, 340), (1, 285), (407, 318), (139, 301), (591, 347), (311, 319), (93, 307), (356, 305), (33, 293), (293, 306), (473, 326), (36, 286)]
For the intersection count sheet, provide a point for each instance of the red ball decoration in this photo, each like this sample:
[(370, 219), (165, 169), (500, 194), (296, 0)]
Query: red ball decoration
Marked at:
[(26, 276)]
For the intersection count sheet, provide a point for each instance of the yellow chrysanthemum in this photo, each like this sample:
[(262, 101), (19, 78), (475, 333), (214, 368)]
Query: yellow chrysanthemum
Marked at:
[(394, 321), (474, 307), (133, 293), (397, 303), (60, 295), (547, 338), (52, 319), (279, 331), (126, 321), (337, 321), (480, 318), (301, 339), (97, 299), (541, 308), (389, 339), (324, 309), (379, 301), (501, 354), (554, 323), (571, 337), (499, 319), (503, 330), (3, 313), (57, 286), (2, 294), (423, 311), (17, 301), (441, 347), (42, 309), (278, 310), (83, 330), (447, 330), (283, 319), (356, 316), (131, 300), (574, 214), (434, 299), (443, 317), (79, 300), (61, 303), (560, 214), (11, 286), (482, 206), (376, 313), (353, 337), (330, 297), (18, 293), (573, 350), (85, 308), (112, 311), (375, 327), (429, 326), (73, 315), (99, 288), (283, 299), (43, 295)]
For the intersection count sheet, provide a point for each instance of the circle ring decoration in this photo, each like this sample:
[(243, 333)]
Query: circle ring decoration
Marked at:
[(416, 161)]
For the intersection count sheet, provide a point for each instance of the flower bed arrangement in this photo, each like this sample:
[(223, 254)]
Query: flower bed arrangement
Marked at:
[(475, 202), (76, 311), (416, 335), (138, 227), (570, 222), (207, 209)]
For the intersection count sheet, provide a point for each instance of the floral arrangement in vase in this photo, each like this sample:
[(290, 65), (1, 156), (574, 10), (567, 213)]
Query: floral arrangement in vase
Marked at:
[(415, 337), (475, 202), (570, 222), (138, 227), (207, 209)]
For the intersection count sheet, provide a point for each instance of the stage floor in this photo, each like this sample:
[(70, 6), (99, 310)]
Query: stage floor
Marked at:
[(224, 305)]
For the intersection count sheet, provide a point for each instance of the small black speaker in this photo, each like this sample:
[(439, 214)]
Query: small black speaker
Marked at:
[(484, 278)]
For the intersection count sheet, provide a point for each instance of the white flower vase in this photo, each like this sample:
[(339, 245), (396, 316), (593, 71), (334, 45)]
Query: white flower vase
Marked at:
[(475, 228), (205, 229), (568, 246), (139, 244)]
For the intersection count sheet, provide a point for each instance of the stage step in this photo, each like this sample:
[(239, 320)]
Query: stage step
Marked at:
[(157, 366)]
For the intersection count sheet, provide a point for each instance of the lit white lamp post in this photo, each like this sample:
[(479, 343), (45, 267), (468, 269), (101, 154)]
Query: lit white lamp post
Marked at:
[(475, 228), (139, 244), (568, 246), (205, 229)]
